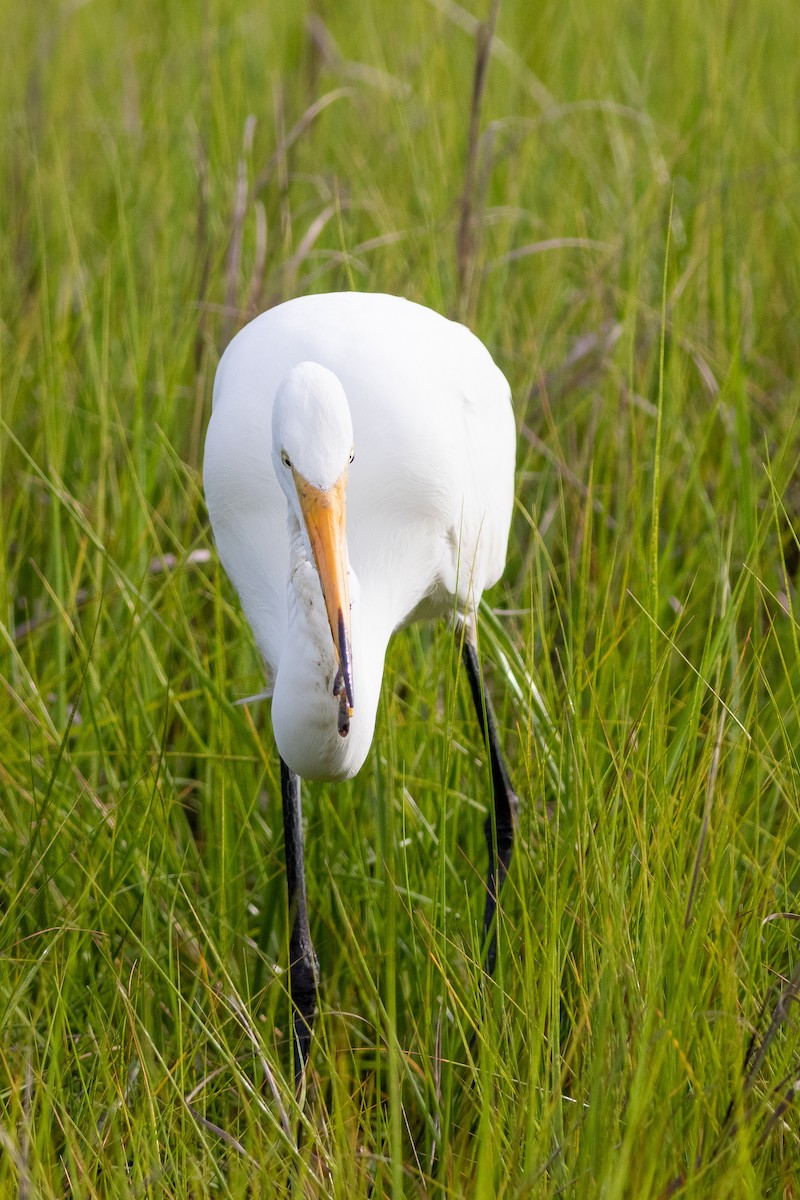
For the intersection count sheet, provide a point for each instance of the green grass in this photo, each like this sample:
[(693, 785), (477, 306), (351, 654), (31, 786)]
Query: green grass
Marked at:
[(634, 265)]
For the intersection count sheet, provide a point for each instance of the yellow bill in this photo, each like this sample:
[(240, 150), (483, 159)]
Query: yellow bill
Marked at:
[(324, 516)]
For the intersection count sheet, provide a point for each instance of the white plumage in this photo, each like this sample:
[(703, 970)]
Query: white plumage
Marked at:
[(427, 415)]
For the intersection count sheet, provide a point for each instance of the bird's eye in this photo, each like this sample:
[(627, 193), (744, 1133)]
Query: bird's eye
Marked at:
[(285, 458), (352, 455)]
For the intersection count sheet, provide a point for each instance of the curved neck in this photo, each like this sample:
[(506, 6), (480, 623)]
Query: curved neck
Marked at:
[(305, 710)]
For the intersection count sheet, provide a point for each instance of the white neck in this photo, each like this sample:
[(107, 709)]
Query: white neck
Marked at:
[(305, 711)]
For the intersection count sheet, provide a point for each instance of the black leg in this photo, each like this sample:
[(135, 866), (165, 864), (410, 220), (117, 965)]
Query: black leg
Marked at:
[(303, 966), (499, 825)]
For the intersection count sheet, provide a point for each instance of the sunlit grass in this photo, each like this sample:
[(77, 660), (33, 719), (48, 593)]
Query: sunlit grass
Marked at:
[(634, 266)]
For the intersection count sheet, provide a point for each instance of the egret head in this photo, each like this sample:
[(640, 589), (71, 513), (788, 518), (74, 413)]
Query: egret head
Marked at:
[(312, 448)]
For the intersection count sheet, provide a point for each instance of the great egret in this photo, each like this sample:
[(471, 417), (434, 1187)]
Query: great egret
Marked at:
[(383, 407)]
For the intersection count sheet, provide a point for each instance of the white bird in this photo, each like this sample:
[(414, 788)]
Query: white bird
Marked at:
[(359, 475)]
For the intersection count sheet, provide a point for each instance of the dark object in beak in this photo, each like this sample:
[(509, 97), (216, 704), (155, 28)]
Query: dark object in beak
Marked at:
[(343, 683), (346, 660), (344, 716)]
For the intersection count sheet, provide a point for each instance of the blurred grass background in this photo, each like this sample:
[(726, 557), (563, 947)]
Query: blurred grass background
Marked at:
[(627, 242)]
